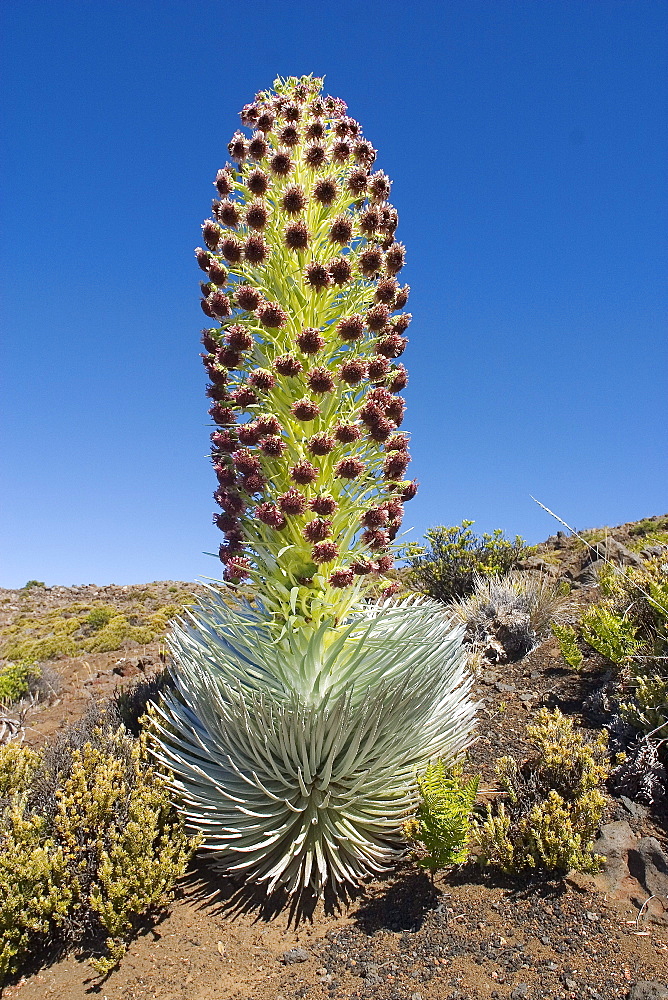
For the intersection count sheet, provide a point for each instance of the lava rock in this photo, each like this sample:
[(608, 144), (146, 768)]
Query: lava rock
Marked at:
[(294, 955), (648, 990)]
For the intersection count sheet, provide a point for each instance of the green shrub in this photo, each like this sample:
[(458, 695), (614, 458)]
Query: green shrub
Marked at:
[(611, 634), (33, 583), (89, 840), (15, 680), (568, 644), (100, 616), (447, 567), (441, 828), (553, 806)]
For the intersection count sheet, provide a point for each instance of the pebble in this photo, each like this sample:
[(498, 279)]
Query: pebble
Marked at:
[(294, 955), (520, 991)]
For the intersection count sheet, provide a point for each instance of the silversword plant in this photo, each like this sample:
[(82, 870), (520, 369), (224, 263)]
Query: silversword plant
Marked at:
[(301, 718)]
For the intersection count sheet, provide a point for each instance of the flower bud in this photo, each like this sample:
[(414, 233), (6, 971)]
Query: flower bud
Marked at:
[(340, 231), (281, 163), (314, 130), (262, 379), (296, 235), (244, 396), (357, 182), (351, 328), (225, 441), (289, 135), (321, 444), (227, 213), (398, 442), (402, 297), (222, 415), (401, 323), (375, 538), (326, 191), (347, 433), (315, 156), (370, 262), (245, 462), (391, 346), (238, 148), (255, 249), (218, 273), (265, 120), (384, 564), (364, 152), (395, 258), (341, 151), (224, 182), (231, 249), (399, 380), (386, 290), (204, 259), (270, 515), (375, 517), (361, 567), (257, 215), (209, 341), (225, 522), (272, 446), (320, 380), (395, 410), (377, 317), (317, 275), (395, 464), (249, 433), (258, 147), (379, 186), (378, 369), (340, 271), (254, 482)]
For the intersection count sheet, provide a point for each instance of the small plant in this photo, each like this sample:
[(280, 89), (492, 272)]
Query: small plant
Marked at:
[(441, 828), (89, 841), (448, 566), (100, 616), (33, 583), (15, 680), (506, 616), (553, 805), (609, 633), (568, 644)]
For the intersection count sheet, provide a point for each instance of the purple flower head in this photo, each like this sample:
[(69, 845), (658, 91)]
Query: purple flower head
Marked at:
[(231, 249), (271, 315), (315, 130), (310, 341), (400, 378), (317, 530), (265, 120), (218, 273), (270, 515), (375, 538), (361, 567), (272, 446), (222, 415), (293, 200), (321, 444), (254, 482), (323, 504), (396, 464), (352, 372), (349, 468), (296, 235), (256, 250), (320, 380), (204, 258), (238, 338), (247, 297), (351, 328), (326, 191), (370, 220), (379, 186), (281, 163), (378, 369), (303, 473), (401, 323), (246, 462), (287, 364), (227, 213), (402, 297), (257, 182), (225, 441), (262, 379), (395, 410), (357, 182), (398, 442), (317, 275), (340, 231), (315, 156), (257, 215), (375, 517), (249, 433), (324, 552), (377, 317), (211, 234), (244, 396), (370, 262), (341, 151), (395, 258), (224, 182), (386, 290), (305, 409), (258, 147), (342, 578), (293, 502), (347, 433), (238, 147), (209, 340), (289, 135), (340, 270), (225, 522)]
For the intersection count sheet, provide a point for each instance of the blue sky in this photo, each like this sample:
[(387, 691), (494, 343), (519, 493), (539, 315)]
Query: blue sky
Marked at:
[(527, 145)]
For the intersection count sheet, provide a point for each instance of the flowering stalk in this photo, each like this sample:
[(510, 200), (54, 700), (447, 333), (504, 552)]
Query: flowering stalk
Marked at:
[(302, 269)]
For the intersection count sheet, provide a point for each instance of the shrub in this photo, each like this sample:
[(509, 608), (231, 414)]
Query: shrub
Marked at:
[(442, 826), (553, 805), (506, 616), (448, 566), (15, 680), (90, 841)]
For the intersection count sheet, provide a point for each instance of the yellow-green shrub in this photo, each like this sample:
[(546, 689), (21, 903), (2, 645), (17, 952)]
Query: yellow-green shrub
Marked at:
[(89, 839), (568, 644), (15, 680), (553, 806), (609, 633)]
